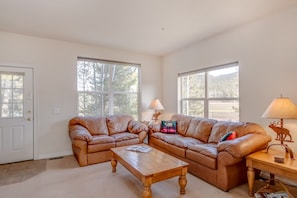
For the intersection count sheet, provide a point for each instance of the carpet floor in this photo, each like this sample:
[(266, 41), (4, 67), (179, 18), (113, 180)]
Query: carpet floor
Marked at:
[(63, 178)]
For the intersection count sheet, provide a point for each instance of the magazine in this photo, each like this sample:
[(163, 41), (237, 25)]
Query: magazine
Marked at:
[(279, 194), (139, 148)]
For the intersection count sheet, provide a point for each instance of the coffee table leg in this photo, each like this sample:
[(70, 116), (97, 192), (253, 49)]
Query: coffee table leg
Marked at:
[(251, 179), (147, 192), (114, 164), (182, 180)]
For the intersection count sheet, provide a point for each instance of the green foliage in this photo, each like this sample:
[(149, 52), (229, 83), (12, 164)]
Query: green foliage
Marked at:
[(107, 88), (212, 93)]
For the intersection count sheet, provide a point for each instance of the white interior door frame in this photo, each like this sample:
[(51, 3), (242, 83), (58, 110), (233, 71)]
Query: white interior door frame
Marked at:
[(35, 139)]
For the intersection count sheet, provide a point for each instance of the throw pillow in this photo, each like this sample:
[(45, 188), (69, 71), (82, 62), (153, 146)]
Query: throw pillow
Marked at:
[(229, 136), (168, 126)]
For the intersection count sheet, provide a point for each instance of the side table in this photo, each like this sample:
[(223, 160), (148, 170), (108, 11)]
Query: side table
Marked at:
[(264, 161)]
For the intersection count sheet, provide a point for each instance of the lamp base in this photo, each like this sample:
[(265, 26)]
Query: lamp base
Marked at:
[(287, 148), (155, 116)]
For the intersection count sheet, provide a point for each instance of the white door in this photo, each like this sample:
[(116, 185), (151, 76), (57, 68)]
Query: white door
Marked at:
[(16, 114)]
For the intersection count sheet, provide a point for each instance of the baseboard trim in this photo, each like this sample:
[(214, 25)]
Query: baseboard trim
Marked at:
[(53, 155)]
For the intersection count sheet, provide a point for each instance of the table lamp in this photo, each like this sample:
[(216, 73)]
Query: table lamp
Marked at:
[(157, 106), (281, 108)]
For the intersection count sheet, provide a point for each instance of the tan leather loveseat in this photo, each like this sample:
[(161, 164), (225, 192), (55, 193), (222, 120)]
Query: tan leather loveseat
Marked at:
[(197, 142), (92, 137)]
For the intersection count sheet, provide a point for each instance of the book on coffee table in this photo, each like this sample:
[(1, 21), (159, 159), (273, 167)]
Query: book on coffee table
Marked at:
[(139, 148)]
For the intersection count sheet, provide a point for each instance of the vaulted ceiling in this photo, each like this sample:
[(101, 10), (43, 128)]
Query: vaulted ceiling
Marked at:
[(155, 27)]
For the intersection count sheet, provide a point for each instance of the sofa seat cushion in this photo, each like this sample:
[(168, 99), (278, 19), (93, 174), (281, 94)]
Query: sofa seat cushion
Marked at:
[(101, 139), (127, 142), (100, 143), (176, 139), (205, 154), (159, 135), (209, 150), (118, 137), (181, 141), (93, 148), (169, 148)]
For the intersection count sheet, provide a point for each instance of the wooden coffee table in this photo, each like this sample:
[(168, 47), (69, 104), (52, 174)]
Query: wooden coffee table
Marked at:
[(150, 167)]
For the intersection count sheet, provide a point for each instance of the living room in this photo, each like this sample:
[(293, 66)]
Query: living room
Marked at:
[(264, 47)]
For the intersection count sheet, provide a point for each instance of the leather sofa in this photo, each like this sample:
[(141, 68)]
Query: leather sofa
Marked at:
[(198, 142), (92, 137)]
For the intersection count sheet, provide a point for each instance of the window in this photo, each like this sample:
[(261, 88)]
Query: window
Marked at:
[(107, 88), (210, 93), (11, 95)]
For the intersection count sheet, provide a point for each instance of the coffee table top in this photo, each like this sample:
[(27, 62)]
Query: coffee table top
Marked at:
[(149, 163)]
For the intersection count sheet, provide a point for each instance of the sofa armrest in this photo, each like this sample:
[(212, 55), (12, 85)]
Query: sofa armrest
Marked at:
[(136, 127), (142, 135), (244, 145), (154, 127), (77, 132), (226, 159)]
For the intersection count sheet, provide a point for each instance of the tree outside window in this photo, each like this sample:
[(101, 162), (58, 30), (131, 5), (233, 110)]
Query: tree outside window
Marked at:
[(107, 88), (210, 93)]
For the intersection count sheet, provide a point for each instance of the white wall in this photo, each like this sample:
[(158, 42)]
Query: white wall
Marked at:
[(267, 53), (54, 64), (266, 50)]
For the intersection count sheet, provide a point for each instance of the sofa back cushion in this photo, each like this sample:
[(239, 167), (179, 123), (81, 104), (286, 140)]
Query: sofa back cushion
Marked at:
[(118, 123), (241, 129), (200, 128), (218, 131), (95, 125), (182, 122)]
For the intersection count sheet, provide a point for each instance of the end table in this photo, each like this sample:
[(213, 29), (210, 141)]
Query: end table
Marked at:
[(264, 161)]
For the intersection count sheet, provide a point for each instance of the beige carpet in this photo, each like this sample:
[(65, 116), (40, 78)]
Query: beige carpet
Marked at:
[(63, 178)]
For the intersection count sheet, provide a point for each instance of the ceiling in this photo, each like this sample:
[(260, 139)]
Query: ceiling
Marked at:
[(155, 27)]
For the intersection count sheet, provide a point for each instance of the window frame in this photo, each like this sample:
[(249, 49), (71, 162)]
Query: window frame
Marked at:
[(206, 99), (111, 93)]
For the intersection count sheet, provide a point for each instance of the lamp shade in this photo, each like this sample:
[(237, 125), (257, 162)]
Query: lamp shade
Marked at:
[(281, 108), (156, 105)]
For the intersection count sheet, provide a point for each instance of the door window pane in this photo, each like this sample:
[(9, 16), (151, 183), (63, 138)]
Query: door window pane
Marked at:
[(11, 95)]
